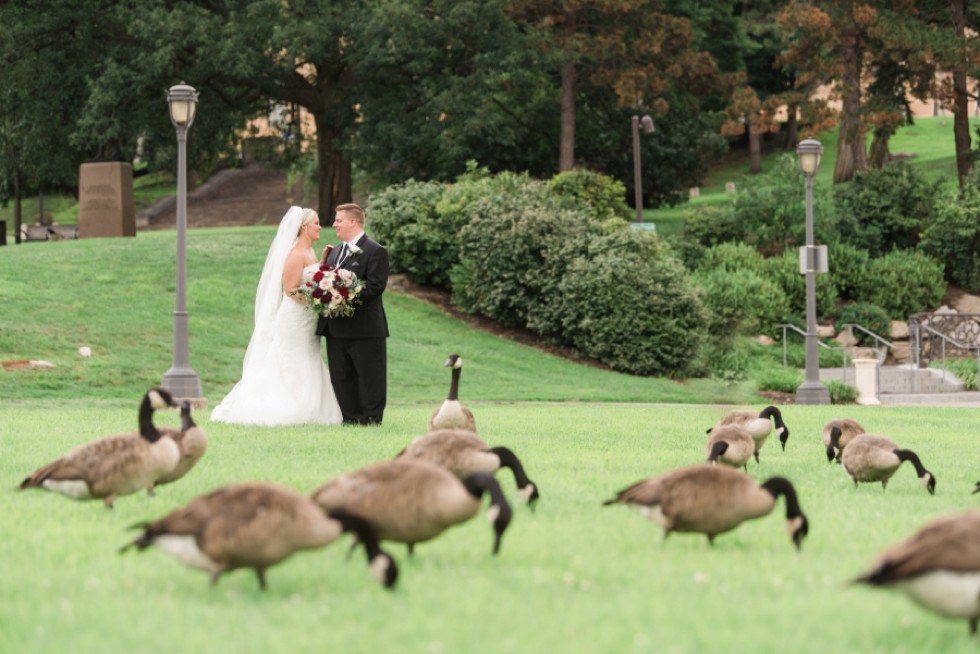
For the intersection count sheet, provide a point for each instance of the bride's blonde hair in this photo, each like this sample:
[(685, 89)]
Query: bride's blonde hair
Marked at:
[(308, 216)]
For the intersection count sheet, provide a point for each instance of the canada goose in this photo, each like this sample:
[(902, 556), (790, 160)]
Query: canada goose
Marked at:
[(191, 440), (938, 567), (115, 465), (711, 500), (462, 453), (758, 426), (451, 414), (876, 458), (255, 526), (848, 429), (976, 489), (414, 501), (730, 444)]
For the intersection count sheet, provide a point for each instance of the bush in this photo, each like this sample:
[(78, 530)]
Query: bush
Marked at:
[(954, 238), (841, 393), (783, 380), (421, 242), (885, 209), (602, 196), (785, 271), (848, 266), (742, 302), (904, 282), (871, 317), (731, 257), (706, 227), (964, 369), (771, 208), (627, 302), (512, 252)]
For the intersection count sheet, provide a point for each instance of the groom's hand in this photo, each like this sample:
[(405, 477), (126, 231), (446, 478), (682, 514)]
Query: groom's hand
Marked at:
[(326, 252)]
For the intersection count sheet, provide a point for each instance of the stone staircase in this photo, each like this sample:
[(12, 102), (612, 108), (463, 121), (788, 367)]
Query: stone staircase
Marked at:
[(907, 385), (251, 195)]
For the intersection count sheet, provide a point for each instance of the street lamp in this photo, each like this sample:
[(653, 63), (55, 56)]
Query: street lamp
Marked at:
[(647, 123), (180, 380), (812, 260)]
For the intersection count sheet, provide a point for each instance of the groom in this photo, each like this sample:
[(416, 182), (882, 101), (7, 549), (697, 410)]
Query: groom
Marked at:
[(356, 346)]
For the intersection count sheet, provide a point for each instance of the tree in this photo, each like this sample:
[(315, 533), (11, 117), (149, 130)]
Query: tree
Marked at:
[(634, 47)]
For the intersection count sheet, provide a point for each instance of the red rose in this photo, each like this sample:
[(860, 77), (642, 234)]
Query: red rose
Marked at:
[(317, 276), (317, 293), (343, 292)]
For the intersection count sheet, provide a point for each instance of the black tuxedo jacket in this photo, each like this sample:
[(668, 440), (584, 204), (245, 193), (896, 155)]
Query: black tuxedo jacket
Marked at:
[(368, 321)]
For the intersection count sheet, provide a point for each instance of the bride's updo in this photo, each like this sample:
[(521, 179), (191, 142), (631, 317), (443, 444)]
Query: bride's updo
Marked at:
[(308, 216)]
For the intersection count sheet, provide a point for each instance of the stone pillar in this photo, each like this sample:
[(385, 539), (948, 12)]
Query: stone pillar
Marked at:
[(866, 380), (105, 200)]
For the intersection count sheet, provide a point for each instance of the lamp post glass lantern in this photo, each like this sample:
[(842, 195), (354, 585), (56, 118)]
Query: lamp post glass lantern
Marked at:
[(646, 123), (811, 391), (181, 381)]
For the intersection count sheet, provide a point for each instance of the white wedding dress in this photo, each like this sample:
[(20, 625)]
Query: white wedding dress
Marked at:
[(284, 379)]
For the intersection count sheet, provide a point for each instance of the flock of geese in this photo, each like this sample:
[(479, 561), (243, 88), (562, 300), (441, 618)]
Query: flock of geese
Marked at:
[(439, 480)]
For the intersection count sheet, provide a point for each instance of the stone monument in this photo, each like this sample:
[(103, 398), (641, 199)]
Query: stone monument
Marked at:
[(105, 200)]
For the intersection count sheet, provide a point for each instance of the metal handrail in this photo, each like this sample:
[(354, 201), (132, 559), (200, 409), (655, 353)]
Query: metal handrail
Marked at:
[(785, 326), (944, 338)]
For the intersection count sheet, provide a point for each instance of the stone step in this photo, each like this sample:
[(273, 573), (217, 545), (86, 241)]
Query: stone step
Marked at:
[(902, 379), (964, 398)]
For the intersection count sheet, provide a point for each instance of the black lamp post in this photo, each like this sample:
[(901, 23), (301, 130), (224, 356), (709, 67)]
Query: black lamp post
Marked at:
[(180, 380), (811, 391), (647, 124)]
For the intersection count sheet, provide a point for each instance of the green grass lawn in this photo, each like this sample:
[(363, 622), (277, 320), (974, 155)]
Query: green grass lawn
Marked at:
[(572, 576), (116, 296)]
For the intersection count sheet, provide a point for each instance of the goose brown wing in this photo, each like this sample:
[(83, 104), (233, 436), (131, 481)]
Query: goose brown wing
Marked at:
[(949, 543)]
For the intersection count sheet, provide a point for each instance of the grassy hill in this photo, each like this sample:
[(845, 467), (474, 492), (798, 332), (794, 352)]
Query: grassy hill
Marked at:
[(116, 296)]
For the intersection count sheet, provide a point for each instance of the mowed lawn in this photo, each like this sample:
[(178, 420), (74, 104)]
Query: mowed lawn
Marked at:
[(572, 576)]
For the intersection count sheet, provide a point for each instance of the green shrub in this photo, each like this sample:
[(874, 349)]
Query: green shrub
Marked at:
[(509, 262), (627, 302), (870, 316), (421, 242), (726, 359), (785, 271), (600, 195), (742, 302), (964, 369), (705, 227), (731, 257), (885, 209), (771, 208), (848, 267), (783, 380), (841, 393), (954, 238), (904, 282)]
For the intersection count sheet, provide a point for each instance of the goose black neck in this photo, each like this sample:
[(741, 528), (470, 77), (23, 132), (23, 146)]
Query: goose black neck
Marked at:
[(509, 460), (774, 413), (834, 443), (147, 428), (913, 458), (480, 482), (781, 486), (717, 449), (454, 385), (366, 536), (186, 421)]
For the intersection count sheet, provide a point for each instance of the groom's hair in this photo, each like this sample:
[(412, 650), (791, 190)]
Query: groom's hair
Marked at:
[(353, 210)]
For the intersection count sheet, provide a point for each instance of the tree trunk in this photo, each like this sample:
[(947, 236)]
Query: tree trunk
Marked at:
[(333, 170), (880, 154), (851, 153), (18, 215), (755, 148), (566, 157), (792, 129), (961, 100)]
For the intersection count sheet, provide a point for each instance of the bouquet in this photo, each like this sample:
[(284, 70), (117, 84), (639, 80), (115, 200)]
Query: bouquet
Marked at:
[(331, 292)]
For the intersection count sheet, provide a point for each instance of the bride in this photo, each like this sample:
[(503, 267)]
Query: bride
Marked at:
[(284, 379)]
